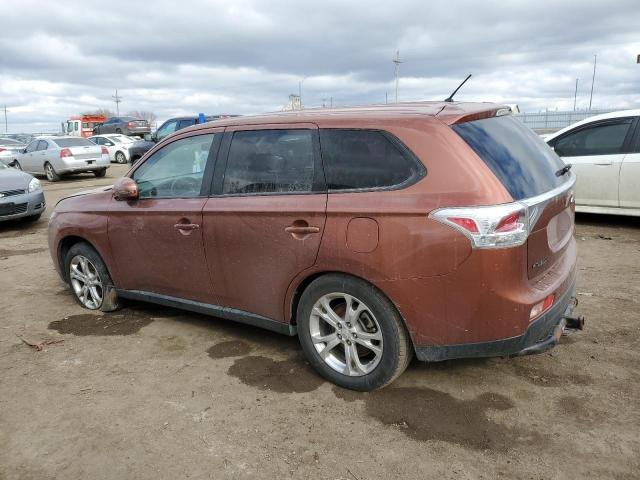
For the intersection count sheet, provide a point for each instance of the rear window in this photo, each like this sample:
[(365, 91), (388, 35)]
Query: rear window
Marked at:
[(520, 159), (73, 142), (366, 159)]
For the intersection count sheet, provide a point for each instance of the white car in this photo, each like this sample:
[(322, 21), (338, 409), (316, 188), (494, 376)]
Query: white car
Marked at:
[(604, 152), (117, 145)]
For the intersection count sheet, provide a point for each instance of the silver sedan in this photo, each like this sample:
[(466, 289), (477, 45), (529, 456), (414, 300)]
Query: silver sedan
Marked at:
[(20, 195), (57, 156)]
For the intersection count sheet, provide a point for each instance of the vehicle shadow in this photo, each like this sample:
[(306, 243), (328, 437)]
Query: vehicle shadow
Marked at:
[(598, 220)]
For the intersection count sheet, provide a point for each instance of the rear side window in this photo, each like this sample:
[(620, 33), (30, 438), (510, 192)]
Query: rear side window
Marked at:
[(600, 139), (270, 161), (73, 142), (186, 123), (365, 159), (518, 157)]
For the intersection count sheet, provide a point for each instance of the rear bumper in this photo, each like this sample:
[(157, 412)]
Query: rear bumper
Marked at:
[(541, 335), (75, 166)]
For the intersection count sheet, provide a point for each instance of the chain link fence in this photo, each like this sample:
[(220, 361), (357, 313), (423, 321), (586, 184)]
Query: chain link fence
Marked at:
[(552, 121)]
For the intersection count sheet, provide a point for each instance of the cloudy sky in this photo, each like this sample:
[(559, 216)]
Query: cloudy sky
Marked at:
[(59, 58)]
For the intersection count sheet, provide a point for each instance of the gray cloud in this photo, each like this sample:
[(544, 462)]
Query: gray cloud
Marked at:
[(60, 58)]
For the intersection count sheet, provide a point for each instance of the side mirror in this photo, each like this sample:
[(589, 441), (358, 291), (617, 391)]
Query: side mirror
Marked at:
[(125, 189)]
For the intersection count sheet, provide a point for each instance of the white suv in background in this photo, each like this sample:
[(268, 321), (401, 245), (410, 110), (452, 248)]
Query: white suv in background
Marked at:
[(604, 152)]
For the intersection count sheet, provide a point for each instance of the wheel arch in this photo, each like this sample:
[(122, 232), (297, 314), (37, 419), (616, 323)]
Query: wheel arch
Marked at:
[(301, 286), (65, 244)]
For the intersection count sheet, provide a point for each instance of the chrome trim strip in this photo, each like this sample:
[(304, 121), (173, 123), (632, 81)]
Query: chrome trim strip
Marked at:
[(543, 197)]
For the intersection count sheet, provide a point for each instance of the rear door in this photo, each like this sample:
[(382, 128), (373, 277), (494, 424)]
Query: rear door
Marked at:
[(629, 191), (596, 151), (264, 224), (157, 239)]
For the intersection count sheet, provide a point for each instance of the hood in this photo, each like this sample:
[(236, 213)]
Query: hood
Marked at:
[(12, 179)]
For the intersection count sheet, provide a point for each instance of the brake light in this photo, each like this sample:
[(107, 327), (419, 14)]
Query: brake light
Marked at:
[(130, 124), (65, 152), (2, 149), (104, 150), (493, 226), (541, 307)]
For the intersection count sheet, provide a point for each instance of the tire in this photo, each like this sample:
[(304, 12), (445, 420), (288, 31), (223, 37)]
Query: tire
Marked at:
[(16, 165), (82, 260), (118, 130), (51, 173), (375, 318), (120, 157), (100, 173)]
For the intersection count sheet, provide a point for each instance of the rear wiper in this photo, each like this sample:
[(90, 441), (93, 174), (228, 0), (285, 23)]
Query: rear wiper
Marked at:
[(564, 170)]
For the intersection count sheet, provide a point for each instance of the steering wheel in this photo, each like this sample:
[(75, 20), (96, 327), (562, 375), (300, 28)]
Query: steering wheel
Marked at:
[(185, 186)]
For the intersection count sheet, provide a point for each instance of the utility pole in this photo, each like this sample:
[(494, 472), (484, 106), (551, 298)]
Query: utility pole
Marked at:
[(575, 96), (397, 63), (117, 99), (331, 102), (300, 91), (386, 97), (6, 125), (593, 79)]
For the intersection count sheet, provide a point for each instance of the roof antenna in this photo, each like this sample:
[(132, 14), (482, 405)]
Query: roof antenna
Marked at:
[(450, 98)]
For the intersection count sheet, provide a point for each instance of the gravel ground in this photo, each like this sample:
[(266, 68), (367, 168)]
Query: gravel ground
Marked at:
[(156, 393)]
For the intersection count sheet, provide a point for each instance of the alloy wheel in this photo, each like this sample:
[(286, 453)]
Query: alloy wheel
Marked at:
[(49, 172), (86, 282), (346, 334)]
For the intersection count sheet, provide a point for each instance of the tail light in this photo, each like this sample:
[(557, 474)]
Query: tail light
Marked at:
[(494, 226), (539, 308), (130, 125), (65, 152), (104, 150), (2, 149)]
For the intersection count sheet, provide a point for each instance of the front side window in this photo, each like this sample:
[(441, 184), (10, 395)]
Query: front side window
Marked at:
[(32, 146), (175, 170), (601, 139), (166, 129), (96, 140), (270, 161), (365, 159)]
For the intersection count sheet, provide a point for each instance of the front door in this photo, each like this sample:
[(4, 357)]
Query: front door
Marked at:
[(596, 152), (264, 224), (157, 239)]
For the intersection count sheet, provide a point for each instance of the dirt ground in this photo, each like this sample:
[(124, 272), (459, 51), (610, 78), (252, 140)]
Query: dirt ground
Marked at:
[(156, 393)]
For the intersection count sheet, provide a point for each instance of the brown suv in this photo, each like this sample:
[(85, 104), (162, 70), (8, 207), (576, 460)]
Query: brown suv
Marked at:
[(440, 229)]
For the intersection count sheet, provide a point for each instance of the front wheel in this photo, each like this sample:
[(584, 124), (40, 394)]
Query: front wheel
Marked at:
[(16, 165), (351, 333), (89, 279)]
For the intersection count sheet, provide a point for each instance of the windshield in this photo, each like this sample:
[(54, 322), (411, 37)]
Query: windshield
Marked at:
[(73, 142), (519, 158)]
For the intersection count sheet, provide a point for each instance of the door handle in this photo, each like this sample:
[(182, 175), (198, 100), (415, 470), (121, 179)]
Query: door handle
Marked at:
[(186, 226), (603, 164), (302, 230)]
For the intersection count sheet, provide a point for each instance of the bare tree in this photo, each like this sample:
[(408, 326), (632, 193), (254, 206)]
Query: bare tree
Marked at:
[(144, 115), (100, 111)]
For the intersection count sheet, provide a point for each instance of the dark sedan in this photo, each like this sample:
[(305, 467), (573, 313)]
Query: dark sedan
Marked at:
[(123, 125), (138, 149)]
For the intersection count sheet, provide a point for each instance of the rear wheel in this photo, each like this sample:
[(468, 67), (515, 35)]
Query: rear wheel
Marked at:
[(89, 279), (16, 164), (118, 130), (120, 157), (351, 333), (50, 172), (100, 173)]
